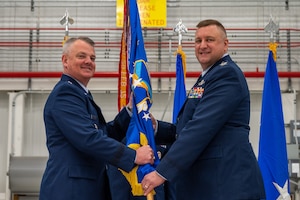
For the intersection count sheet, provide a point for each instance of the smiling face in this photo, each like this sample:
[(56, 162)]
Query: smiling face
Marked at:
[(79, 61), (211, 44)]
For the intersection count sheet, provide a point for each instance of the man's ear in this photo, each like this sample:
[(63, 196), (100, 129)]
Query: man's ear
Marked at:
[(64, 60), (226, 44)]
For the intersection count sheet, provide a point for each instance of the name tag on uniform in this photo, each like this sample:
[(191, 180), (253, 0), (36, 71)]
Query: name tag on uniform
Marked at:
[(196, 92)]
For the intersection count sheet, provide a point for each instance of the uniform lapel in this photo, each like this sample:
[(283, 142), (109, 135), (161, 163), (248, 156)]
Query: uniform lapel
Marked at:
[(99, 112), (200, 81)]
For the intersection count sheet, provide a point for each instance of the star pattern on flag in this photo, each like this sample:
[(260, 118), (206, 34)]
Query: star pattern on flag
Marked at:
[(136, 82), (283, 191), (146, 116)]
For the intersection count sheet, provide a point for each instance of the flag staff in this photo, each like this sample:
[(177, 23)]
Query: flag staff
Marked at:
[(272, 28), (273, 152), (180, 90), (66, 20)]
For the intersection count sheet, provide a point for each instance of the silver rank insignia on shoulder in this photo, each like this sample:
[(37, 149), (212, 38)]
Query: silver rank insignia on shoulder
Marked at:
[(223, 63), (70, 82)]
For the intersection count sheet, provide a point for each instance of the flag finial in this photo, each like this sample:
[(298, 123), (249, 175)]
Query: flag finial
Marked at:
[(180, 28), (272, 28), (66, 20)]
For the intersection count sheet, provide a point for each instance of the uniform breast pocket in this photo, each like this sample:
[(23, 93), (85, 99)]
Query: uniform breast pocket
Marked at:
[(94, 121), (187, 113), (190, 106)]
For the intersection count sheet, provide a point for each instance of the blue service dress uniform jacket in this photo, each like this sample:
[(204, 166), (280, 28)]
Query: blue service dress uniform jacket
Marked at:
[(212, 157), (80, 145)]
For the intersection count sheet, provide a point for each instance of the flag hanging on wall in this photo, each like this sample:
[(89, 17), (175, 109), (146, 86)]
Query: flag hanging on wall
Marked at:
[(140, 131), (180, 91), (272, 155)]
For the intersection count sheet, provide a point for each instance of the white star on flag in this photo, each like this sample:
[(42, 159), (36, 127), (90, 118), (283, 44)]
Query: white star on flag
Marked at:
[(136, 82), (146, 116), (284, 194)]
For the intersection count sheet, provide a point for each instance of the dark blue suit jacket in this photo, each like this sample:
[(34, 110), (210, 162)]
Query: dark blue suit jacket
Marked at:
[(212, 157), (80, 145)]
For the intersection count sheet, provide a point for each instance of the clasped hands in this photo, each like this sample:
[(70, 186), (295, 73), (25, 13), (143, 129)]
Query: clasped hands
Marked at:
[(145, 155)]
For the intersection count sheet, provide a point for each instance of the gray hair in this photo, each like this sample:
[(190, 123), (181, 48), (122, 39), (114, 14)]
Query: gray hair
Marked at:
[(70, 41)]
